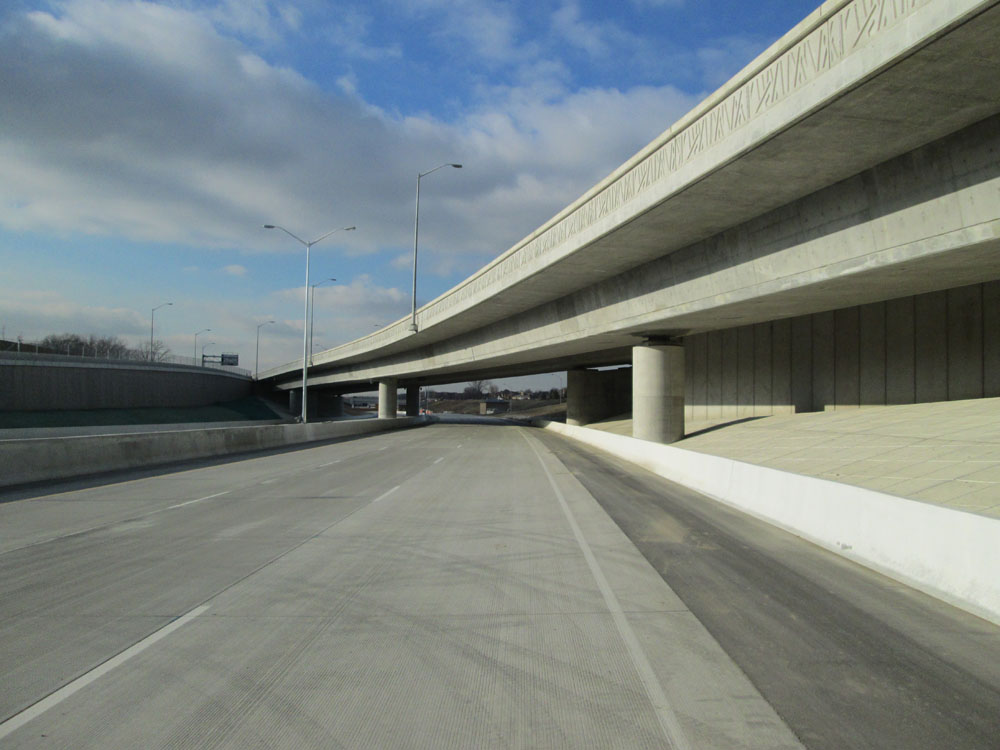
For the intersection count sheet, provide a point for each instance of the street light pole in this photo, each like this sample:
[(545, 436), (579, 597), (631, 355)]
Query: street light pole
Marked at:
[(312, 313), (151, 314), (305, 316), (256, 358), (416, 234), (203, 348), (194, 354)]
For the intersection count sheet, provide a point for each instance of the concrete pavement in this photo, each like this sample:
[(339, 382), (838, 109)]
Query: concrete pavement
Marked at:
[(848, 657), (452, 586)]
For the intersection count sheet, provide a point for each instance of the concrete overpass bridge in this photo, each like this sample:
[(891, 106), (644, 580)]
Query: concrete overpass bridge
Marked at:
[(821, 232)]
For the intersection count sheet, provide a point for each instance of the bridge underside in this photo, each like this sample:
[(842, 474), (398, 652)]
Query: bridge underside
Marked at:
[(877, 180), (926, 221)]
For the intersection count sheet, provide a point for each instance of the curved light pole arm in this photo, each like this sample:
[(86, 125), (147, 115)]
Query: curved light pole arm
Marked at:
[(338, 229), (294, 236)]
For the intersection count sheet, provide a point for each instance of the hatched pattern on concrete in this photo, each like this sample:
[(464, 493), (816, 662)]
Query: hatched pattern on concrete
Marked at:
[(946, 453)]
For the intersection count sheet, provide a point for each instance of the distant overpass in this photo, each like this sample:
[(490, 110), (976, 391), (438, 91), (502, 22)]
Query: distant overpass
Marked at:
[(822, 232)]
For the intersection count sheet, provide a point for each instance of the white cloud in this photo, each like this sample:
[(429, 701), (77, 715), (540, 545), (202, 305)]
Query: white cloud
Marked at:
[(489, 28), (402, 261), (344, 312), (140, 120), (36, 314), (350, 33), (723, 58), (235, 270), (591, 37)]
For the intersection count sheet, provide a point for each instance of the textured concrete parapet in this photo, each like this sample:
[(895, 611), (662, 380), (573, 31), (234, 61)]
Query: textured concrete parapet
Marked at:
[(944, 552), (49, 459)]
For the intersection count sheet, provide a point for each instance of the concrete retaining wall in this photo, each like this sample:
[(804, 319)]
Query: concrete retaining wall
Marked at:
[(593, 395), (35, 384), (947, 553), (47, 459), (941, 346)]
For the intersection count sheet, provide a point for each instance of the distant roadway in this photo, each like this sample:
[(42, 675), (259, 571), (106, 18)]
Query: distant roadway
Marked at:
[(457, 586)]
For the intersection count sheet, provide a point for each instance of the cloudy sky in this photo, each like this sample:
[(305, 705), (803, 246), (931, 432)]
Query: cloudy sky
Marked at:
[(143, 145)]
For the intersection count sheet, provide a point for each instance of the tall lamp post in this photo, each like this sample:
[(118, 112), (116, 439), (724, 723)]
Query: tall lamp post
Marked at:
[(256, 358), (312, 313), (416, 234), (305, 316), (151, 314), (194, 354)]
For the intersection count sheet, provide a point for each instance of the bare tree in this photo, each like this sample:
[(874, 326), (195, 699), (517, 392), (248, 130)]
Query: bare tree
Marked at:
[(159, 354), (476, 388), (92, 346)]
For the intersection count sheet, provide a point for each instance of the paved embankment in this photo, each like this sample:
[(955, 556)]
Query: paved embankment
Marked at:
[(47, 459), (948, 553)]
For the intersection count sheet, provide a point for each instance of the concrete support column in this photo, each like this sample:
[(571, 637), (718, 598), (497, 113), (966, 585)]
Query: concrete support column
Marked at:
[(658, 392), (387, 398), (413, 400), (295, 402), (584, 397), (335, 406)]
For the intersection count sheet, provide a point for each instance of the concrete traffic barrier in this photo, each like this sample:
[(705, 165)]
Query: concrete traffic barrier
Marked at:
[(947, 553), (45, 459)]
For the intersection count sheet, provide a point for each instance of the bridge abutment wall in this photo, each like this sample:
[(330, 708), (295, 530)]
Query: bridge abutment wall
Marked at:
[(593, 395), (939, 346), (29, 384)]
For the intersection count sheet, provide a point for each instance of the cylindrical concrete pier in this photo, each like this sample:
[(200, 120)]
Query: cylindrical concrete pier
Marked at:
[(658, 392), (387, 398)]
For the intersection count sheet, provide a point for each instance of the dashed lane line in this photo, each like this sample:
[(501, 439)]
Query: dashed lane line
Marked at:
[(18, 720)]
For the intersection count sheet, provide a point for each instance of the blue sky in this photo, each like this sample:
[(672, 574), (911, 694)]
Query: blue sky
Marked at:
[(144, 144)]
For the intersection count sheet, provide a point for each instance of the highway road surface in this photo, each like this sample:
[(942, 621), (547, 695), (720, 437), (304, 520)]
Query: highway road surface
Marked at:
[(458, 586)]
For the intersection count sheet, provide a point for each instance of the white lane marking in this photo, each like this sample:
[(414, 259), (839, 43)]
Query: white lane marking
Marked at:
[(20, 719), (654, 690), (386, 494), (271, 481), (383, 447), (439, 460), (191, 502), (460, 445), (330, 463)]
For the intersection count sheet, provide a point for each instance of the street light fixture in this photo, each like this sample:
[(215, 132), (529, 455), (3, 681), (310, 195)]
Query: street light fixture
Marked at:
[(305, 316), (256, 358), (151, 314), (416, 232), (194, 354), (312, 313)]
